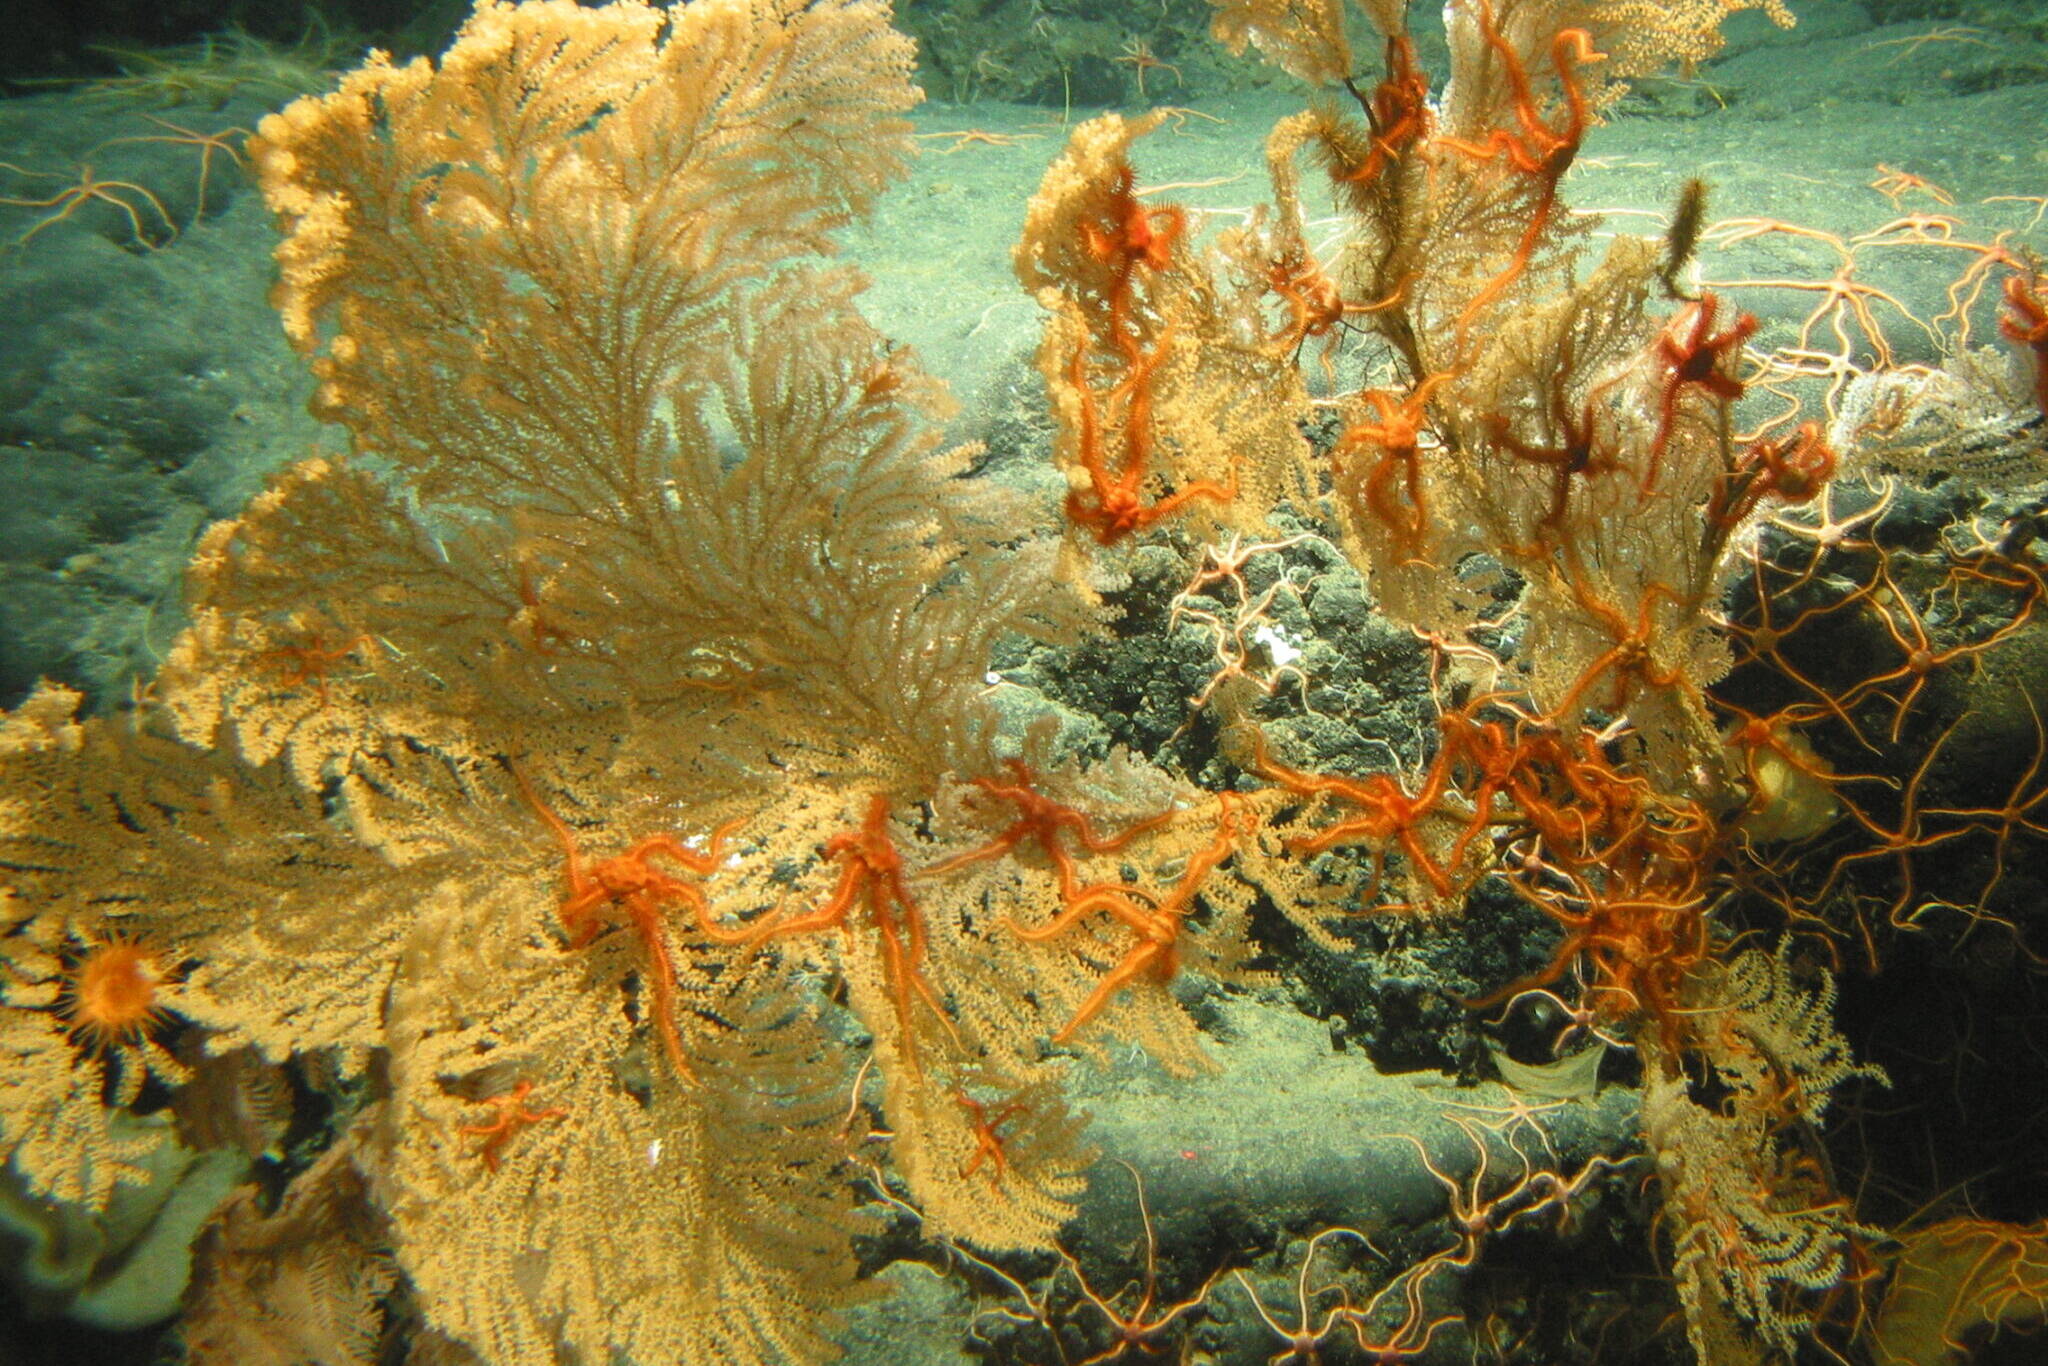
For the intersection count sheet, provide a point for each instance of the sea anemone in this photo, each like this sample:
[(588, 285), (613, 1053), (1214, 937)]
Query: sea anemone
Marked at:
[(111, 996)]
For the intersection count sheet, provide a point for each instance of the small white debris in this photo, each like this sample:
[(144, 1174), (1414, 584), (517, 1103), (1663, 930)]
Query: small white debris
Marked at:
[(1283, 651)]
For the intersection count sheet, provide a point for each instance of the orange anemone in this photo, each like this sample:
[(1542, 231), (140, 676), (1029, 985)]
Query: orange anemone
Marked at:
[(111, 997)]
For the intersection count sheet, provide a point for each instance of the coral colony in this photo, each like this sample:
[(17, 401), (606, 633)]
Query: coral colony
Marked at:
[(587, 797)]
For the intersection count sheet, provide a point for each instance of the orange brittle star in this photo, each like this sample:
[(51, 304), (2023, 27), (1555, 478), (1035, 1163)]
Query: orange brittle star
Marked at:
[(512, 1116), (965, 136), (631, 882), (1139, 57), (312, 659), (1157, 925), (1948, 33), (871, 870), (1893, 183), (1106, 492), (1041, 819), (207, 143), (85, 190), (1533, 148), (988, 1136)]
